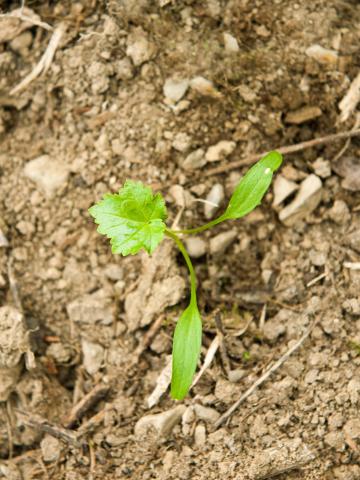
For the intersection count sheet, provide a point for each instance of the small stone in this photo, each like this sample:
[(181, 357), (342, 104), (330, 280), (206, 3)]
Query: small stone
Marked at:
[(50, 448), (196, 247), (352, 428), (283, 188), (302, 115), (246, 93), (139, 48), (322, 168), (200, 435), (322, 55), (188, 420), (160, 423), (230, 43), (352, 306), (214, 198), (274, 328), (236, 375), (220, 151), (22, 42), (206, 414), (91, 309), (349, 169), (114, 272), (48, 174), (317, 258), (339, 212), (306, 200), (194, 160), (3, 240), (174, 90), (179, 195), (93, 354), (60, 353), (335, 440), (222, 241), (182, 142), (204, 87), (124, 69)]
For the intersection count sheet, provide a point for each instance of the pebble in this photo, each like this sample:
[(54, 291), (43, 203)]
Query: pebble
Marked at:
[(322, 168), (352, 428), (187, 420), (59, 352), (335, 440), (161, 423), (194, 160), (139, 48), (114, 272), (47, 173), (322, 55), (22, 42), (339, 212), (236, 375), (206, 414), (274, 328), (204, 87), (352, 306), (222, 241), (283, 188), (3, 240), (196, 247), (306, 200), (91, 309), (182, 142), (215, 198), (348, 168), (50, 448), (303, 115), (124, 69), (220, 151), (230, 43), (200, 435), (175, 89), (93, 356)]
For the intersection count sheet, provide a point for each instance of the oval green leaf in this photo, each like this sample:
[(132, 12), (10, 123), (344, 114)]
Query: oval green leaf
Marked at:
[(252, 187), (186, 351)]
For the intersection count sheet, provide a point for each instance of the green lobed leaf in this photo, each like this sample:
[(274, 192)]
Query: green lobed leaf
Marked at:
[(133, 218), (253, 186), (186, 351)]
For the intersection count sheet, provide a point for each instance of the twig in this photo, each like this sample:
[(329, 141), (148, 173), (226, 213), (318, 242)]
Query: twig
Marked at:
[(45, 61), (284, 150), (92, 460), (39, 423), (348, 140), (26, 18), (262, 318), (85, 404), (210, 354), (263, 378), (13, 286), (222, 346), (316, 279)]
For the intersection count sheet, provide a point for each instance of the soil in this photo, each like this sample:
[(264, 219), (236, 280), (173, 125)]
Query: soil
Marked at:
[(98, 116)]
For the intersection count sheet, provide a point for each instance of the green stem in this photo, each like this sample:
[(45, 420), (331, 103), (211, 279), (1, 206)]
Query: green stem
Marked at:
[(181, 246), (193, 231)]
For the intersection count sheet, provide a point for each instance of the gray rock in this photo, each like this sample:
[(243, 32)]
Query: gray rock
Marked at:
[(3, 240), (91, 309), (161, 423), (194, 160), (339, 212), (50, 449), (196, 247), (222, 241), (93, 356), (206, 414), (219, 151), (305, 202), (124, 69), (283, 188), (230, 43), (322, 168), (48, 174), (303, 115), (175, 89), (214, 200), (200, 436)]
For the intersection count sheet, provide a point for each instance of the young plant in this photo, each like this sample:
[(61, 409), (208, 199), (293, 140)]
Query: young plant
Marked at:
[(134, 219)]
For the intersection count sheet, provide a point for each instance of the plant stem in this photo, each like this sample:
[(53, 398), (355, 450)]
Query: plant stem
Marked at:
[(193, 231), (181, 246)]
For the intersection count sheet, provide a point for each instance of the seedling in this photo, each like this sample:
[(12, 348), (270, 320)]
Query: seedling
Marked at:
[(134, 219)]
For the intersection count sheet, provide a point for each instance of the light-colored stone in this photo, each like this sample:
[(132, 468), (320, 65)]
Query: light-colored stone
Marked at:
[(283, 188), (322, 168), (47, 173), (181, 142), (230, 43), (204, 87), (302, 115), (195, 246), (161, 423), (200, 435), (194, 160), (322, 55), (93, 354), (206, 414), (50, 448), (214, 200), (219, 151), (222, 241), (339, 212), (114, 272), (3, 240), (175, 89), (139, 48), (91, 309), (305, 202), (352, 428)]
